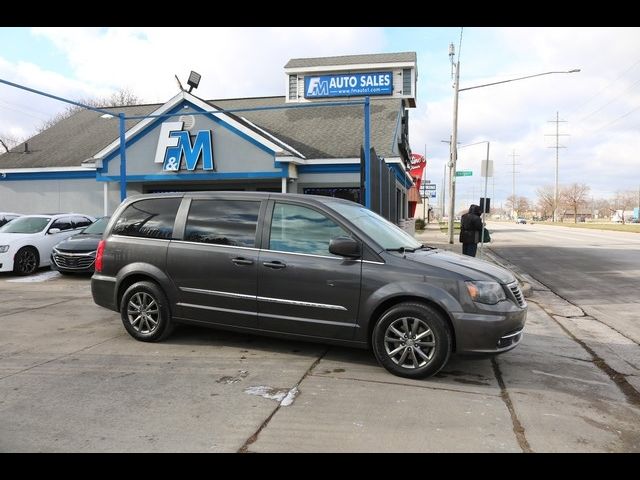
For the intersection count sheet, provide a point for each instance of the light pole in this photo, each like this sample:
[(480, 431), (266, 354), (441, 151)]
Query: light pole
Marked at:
[(454, 135)]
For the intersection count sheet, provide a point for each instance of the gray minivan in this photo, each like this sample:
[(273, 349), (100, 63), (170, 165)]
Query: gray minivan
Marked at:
[(302, 267)]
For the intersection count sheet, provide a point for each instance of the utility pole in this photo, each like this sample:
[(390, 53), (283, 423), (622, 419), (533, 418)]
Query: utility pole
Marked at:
[(454, 143), (513, 186), (557, 146)]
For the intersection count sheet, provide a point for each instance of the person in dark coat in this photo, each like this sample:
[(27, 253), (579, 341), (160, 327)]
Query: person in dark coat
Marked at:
[(470, 230)]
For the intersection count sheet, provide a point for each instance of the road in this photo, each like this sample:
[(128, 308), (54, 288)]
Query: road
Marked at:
[(596, 270)]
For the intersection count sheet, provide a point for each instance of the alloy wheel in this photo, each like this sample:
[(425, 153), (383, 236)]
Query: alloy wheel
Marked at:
[(26, 261), (143, 313), (409, 342)]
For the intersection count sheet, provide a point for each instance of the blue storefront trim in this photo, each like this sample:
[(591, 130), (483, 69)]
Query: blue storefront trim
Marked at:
[(48, 176), (335, 168), (181, 177)]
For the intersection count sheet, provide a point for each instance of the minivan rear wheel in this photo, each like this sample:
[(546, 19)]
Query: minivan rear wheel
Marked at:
[(144, 310), (412, 340)]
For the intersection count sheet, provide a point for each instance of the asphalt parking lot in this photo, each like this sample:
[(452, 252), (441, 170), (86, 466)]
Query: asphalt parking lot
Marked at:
[(72, 380)]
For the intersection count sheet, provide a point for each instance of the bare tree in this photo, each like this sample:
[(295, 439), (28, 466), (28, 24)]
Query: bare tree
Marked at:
[(624, 200), (8, 141), (518, 204), (545, 200), (602, 206), (574, 197), (122, 97)]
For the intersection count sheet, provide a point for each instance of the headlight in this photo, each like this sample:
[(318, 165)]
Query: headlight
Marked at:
[(4, 248), (486, 292)]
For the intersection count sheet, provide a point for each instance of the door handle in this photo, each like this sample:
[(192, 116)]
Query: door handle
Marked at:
[(276, 265), (242, 261)]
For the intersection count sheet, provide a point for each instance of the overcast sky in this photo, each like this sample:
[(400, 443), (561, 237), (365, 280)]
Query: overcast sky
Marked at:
[(601, 104)]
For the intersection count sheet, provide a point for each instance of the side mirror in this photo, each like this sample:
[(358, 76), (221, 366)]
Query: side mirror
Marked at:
[(53, 230), (345, 247)]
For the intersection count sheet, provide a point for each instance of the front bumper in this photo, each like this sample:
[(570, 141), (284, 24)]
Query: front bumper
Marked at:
[(6, 261), (489, 333)]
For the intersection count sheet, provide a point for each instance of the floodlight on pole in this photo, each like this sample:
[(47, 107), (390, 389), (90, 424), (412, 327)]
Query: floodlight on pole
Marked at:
[(454, 136), (194, 80)]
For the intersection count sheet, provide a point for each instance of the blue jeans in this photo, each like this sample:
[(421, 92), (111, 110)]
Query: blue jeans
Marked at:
[(469, 249)]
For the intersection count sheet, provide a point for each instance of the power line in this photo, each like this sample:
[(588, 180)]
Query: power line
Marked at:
[(611, 101), (615, 120), (603, 89)]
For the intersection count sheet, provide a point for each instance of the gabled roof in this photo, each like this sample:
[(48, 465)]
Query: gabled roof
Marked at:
[(401, 57), (314, 133)]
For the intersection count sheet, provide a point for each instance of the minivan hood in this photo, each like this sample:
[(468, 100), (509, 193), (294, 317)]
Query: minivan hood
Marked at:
[(80, 242), (471, 267)]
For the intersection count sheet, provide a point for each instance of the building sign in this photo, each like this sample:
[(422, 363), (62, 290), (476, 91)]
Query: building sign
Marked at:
[(175, 150), (418, 164), (348, 85)]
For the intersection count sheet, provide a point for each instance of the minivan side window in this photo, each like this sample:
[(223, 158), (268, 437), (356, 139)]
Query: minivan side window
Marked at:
[(302, 230), (223, 222), (152, 218)]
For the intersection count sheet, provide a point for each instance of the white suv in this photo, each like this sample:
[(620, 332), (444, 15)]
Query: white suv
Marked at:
[(27, 241)]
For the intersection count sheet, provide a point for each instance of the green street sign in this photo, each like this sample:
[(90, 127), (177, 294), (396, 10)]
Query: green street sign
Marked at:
[(464, 173)]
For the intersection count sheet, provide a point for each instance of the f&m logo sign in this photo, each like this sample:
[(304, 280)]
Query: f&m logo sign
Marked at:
[(175, 148)]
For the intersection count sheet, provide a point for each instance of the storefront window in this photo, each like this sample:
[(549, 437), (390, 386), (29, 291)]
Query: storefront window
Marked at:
[(352, 194)]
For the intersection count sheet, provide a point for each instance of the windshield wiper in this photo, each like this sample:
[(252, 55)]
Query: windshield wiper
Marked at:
[(401, 249), (409, 249)]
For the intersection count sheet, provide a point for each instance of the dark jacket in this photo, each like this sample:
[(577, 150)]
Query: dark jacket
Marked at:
[(471, 225)]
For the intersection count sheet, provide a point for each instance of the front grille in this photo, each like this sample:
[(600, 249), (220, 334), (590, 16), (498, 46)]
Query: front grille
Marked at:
[(74, 261), (514, 288)]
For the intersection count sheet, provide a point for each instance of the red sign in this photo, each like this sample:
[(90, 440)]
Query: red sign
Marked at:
[(418, 164)]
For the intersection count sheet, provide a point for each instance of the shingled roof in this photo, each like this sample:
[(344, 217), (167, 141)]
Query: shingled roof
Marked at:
[(352, 60), (317, 132)]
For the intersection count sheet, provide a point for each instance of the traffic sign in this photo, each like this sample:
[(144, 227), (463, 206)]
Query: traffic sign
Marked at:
[(431, 186), (464, 173)]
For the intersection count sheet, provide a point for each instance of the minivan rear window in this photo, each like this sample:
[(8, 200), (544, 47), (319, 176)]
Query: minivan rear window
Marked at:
[(223, 222), (153, 218)]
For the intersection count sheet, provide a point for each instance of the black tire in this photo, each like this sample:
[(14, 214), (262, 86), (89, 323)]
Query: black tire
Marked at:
[(145, 313), (412, 340), (26, 261)]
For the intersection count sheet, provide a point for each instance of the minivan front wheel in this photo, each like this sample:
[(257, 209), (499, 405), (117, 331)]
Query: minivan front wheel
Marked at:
[(412, 340), (145, 312)]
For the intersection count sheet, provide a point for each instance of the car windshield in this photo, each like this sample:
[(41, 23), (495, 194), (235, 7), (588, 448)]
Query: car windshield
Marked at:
[(26, 225), (97, 227), (385, 233)]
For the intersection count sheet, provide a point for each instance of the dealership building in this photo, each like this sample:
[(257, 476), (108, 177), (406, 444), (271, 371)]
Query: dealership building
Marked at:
[(74, 166)]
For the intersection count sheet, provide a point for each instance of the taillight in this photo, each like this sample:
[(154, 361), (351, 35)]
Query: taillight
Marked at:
[(99, 253)]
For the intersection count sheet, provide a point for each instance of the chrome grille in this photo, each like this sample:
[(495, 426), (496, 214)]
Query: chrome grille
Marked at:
[(514, 288), (74, 261)]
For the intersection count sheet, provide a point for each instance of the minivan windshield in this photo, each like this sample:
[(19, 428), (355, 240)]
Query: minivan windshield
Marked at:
[(97, 227), (385, 233), (26, 225)]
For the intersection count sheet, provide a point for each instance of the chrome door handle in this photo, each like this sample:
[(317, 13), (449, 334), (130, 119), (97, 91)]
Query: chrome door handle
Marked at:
[(242, 261), (276, 264)]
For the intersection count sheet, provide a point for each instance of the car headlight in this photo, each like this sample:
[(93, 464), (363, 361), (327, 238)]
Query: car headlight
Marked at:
[(4, 248), (486, 292)]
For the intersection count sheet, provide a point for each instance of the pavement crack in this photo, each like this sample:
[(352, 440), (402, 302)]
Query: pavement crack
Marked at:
[(518, 429), (36, 308), (428, 387), (61, 356), (631, 394), (252, 439)]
